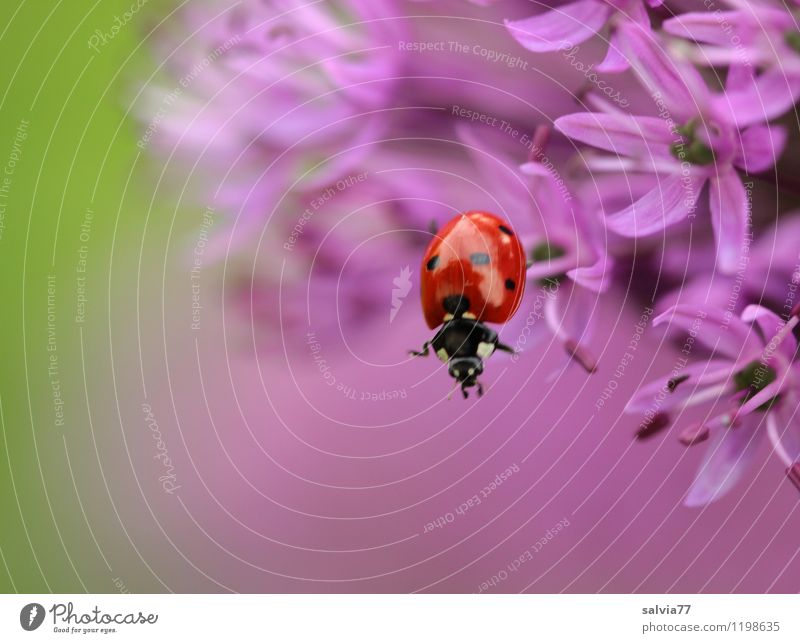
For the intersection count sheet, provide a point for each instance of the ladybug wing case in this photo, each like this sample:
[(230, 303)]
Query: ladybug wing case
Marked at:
[(475, 267)]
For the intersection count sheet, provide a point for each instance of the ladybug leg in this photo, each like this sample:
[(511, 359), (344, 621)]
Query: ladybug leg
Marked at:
[(464, 391), (452, 390), (424, 352), (480, 388), (490, 337), (433, 227), (502, 347)]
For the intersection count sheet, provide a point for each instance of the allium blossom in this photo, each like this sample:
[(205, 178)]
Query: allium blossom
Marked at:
[(755, 33), (769, 273), (698, 138), (750, 384), (272, 104), (262, 97), (571, 24), (342, 245)]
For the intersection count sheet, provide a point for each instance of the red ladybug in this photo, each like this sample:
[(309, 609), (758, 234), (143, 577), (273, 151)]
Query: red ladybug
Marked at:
[(473, 272)]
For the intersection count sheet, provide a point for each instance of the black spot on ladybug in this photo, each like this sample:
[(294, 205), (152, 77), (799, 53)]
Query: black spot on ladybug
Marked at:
[(510, 285), (456, 305), (479, 258), (432, 262), (506, 230)]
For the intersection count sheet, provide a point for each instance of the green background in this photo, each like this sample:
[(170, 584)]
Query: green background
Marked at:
[(79, 155)]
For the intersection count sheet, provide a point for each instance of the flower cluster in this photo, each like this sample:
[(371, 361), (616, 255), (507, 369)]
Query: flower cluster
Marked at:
[(749, 382), (332, 133)]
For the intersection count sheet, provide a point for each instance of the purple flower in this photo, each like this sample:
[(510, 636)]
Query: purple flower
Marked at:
[(750, 384), (286, 69), (569, 25), (265, 97), (329, 257), (768, 274), (698, 138), (756, 33), (568, 263)]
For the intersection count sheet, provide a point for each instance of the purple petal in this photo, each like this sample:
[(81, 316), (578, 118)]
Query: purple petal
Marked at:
[(715, 329), (728, 455), (769, 323), (667, 203), (739, 77), (763, 396), (783, 427), (699, 290), (640, 136), (535, 168), (768, 96), (499, 176), (729, 209), (525, 330), (705, 27), (551, 267), (615, 60), (773, 260), (761, 145), (694, 434), (570, 316), (560, 28), (578, 304), (566, 312), (636, 12), (702, 376), (581, 355), (680, 86), (596, 277)]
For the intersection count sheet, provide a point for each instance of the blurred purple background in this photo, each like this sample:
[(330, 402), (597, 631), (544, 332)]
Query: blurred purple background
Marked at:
[(312, 454)]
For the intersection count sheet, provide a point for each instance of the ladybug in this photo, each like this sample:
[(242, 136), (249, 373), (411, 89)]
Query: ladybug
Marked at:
[(472, 272)]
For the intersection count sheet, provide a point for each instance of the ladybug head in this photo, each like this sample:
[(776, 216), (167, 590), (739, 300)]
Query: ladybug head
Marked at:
[(466, 371), (464, 343)]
